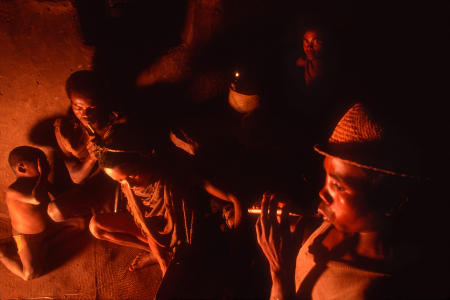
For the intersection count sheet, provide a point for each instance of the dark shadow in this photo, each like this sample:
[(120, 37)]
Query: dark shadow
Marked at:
[(128, 36), (42, 134), (67, 248), (5, 226)]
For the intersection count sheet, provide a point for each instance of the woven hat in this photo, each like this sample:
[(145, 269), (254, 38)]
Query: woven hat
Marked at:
[(369, 139)]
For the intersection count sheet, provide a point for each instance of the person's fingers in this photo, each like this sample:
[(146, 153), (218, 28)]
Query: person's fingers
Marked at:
[(284, 219), (258, 231), (39, 167), (271, 235), (264, 226), (91, 146), (298, 229), (297, 222), (273, 205), (264, 206)]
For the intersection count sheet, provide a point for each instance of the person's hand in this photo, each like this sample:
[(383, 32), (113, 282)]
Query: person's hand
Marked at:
[(278, 240), (92, 149), (40, 188), (39, 167), (42, 168), (280, 243), (228, 197)]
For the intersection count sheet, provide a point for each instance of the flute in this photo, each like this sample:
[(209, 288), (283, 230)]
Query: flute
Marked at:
[(91, 130), (257, 211)]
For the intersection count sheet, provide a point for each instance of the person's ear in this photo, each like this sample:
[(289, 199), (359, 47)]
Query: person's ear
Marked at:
[(21, 168), (398, 206)]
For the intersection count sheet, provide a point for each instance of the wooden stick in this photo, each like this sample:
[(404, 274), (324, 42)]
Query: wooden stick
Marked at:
[(116, 198), (91, 130)]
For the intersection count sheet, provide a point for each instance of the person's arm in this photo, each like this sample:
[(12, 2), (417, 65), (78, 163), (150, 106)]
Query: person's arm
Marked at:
[(186, 144), (162, 255), (280, 245), (78, 170), (12, 194), (218, 193)]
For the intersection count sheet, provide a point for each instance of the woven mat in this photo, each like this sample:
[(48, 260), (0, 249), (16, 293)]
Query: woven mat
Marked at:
[(85, 268)]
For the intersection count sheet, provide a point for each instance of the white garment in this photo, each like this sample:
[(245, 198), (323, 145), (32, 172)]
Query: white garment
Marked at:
[(337, 279)]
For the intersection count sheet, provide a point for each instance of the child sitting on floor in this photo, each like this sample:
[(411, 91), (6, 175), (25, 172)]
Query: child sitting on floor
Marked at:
[(27, 199)]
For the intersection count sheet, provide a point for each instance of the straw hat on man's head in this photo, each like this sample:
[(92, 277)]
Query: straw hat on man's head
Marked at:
[(369, 138)]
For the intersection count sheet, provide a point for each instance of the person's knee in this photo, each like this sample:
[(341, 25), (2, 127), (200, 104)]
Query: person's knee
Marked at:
[(95, 228), (54, 212), (30, 274), (79, 223)]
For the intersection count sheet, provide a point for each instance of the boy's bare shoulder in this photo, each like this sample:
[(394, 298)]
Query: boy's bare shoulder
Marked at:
[(22, 186), (21, 191), (13, 195)]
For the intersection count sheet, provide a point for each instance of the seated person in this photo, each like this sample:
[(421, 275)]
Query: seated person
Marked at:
[(354, 253), (27, 200), (312, 62), (318, 91), (90, 126), (161, 206)]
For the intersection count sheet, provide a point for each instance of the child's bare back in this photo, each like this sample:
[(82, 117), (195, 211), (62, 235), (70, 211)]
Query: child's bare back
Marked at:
[(28, 212)]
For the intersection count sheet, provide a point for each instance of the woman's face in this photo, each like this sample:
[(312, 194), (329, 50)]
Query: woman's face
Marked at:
[(312, 44), (85, 109)]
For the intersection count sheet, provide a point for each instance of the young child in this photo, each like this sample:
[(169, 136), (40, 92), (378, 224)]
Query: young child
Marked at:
[(27, 199)]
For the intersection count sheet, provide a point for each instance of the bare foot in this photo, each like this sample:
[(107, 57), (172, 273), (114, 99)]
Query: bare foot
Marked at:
[(142, 260)]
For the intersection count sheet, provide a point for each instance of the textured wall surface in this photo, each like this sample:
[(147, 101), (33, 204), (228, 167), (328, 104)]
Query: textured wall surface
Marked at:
[(40, 45)]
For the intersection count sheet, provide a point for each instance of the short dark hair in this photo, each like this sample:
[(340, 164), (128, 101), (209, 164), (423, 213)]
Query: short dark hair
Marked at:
[(25, 153), (129, 161), (387, 190), (85, 83), (109, 159)]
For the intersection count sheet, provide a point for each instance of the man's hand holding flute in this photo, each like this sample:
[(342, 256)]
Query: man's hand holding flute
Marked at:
[(280, 242)]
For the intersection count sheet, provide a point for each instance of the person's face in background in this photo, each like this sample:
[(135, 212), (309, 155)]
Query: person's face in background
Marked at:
[(312, 45), (85, 109)]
